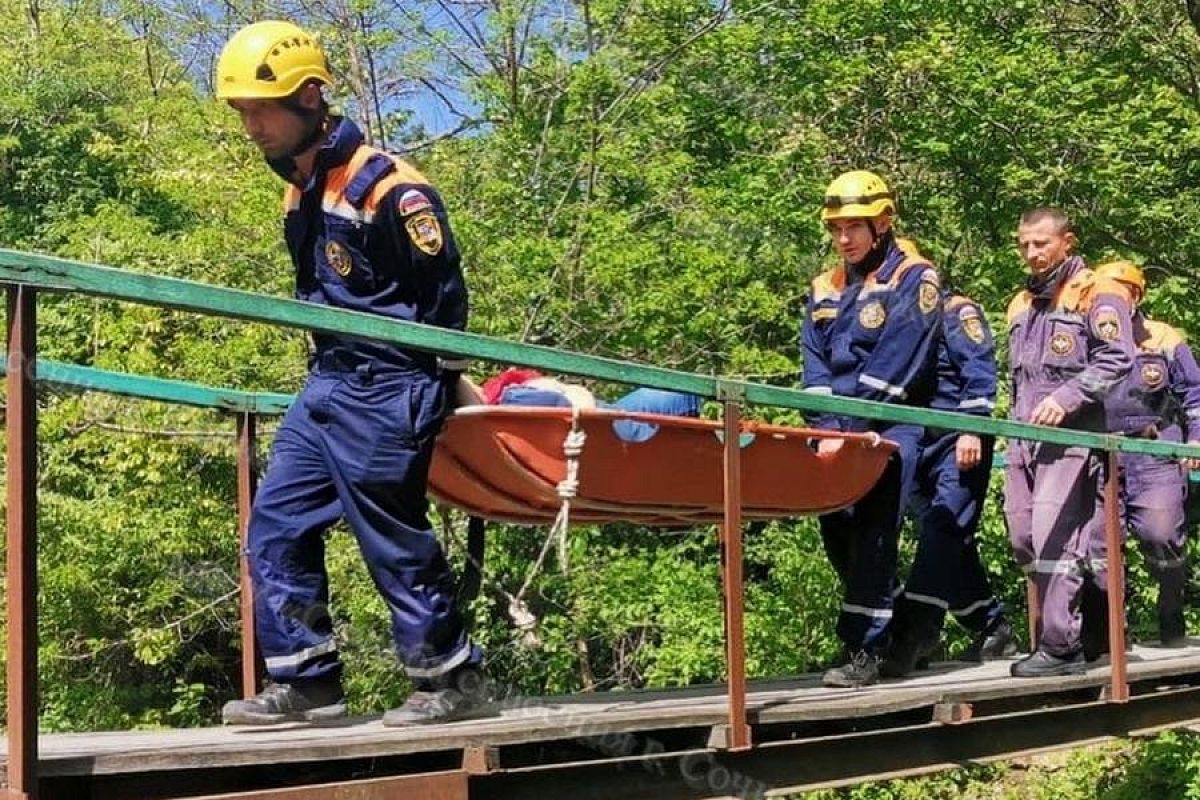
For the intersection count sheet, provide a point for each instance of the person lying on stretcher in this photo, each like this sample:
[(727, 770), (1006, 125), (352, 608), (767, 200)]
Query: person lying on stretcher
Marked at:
[(518, 386)]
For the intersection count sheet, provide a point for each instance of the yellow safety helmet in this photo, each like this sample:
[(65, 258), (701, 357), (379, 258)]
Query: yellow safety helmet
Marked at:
[(857, 194), (1127, 273), (269, 60)]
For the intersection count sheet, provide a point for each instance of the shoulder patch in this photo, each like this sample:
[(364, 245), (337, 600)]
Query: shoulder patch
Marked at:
[(972, 324), (928, 293), (426, 232), (412, 201), (1108, 323)]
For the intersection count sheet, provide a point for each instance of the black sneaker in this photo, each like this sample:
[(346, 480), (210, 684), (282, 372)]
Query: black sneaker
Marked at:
[(469, 696), (1044, 665), (861, 670), (999, 642), (301, 701)]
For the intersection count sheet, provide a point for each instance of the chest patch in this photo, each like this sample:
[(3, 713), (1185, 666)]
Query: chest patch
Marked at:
[(338, 258), (872, 315), (1153, 375), (1062, 344)]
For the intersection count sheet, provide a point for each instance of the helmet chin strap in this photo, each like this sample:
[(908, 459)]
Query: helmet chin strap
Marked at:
[(879, 247), (314, 122)]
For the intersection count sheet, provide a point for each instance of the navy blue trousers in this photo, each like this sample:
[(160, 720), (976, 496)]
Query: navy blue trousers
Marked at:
[(861, 543), (947, 573), (357, 444)]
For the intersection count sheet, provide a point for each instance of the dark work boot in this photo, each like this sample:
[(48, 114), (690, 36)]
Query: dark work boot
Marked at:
[(467, 694), (1044, 665), (989, 645), (304, 700), (905, 655), (1172, 631), (861, 670), (1093, 632)]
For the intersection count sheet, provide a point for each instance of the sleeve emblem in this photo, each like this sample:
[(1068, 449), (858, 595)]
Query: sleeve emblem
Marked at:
[(927, 296), (425, 232), (972, 326), (1108, 324)]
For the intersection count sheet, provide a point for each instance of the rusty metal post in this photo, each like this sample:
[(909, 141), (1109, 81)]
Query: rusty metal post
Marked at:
[(731, 564), (1034, 603), (1119, 686), (247, 485), (22, 544)]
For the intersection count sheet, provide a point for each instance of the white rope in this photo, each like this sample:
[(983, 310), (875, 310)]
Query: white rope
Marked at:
[(568, 487)]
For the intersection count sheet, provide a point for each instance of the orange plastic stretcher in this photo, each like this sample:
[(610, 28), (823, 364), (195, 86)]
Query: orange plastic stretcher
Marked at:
[(506, 463)]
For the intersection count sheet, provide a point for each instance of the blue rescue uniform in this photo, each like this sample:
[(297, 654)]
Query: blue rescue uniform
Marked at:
[(948, 502), (873, 337), (367, 233)]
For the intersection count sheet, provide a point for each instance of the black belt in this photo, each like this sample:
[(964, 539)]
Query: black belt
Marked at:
[(342, 361)]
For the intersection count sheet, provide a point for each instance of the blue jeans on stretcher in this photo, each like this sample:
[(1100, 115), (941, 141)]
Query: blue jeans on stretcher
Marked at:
[(648, 401)]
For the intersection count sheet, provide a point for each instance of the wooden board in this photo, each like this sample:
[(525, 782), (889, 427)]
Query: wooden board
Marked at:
[(539, 719)]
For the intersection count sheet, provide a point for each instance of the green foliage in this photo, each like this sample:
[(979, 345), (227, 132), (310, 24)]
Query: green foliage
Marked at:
[(636, 180)]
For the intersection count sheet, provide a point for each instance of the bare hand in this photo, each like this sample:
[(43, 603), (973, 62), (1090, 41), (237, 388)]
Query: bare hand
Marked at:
[(968, 451), (829, 447), (1048, 412), (1192, 463)]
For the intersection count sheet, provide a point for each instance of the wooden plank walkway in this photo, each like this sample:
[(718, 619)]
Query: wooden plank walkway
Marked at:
[(557, 719)]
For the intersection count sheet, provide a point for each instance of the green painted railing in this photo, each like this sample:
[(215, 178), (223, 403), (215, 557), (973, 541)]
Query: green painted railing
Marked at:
[(56, 274)]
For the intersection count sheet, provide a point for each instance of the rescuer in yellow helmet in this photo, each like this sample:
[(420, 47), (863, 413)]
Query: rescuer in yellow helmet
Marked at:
[(870, 332), (366, 232)]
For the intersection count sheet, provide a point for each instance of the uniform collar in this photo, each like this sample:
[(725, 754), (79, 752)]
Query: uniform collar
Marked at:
[(893, 256), (1046, 285), (343, 139)]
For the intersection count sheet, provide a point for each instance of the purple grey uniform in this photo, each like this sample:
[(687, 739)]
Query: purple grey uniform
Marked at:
[(1160, 399), (1070, 338)]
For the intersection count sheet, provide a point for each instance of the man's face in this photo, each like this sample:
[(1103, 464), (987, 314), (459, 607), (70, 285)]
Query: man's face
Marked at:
[(1044, 245), (853, 237), (275, 129)]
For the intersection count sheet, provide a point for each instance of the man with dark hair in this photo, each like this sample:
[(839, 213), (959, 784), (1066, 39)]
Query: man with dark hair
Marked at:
[(1070, 346), (367, 233), (869, 331)]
